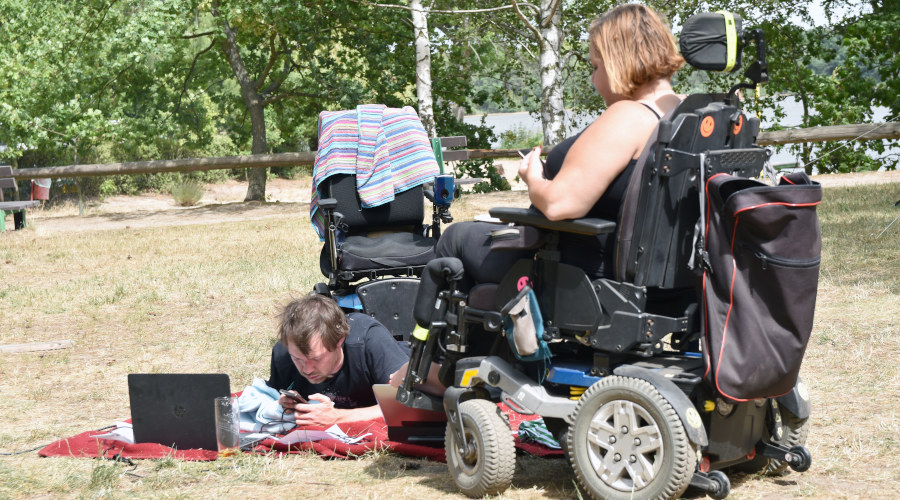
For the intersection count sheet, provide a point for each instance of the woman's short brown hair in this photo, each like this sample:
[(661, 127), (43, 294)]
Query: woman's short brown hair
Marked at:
[(636, 47), (312, 315)]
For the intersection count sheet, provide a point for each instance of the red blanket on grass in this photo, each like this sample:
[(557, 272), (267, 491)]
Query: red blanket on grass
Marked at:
[(85, 445)]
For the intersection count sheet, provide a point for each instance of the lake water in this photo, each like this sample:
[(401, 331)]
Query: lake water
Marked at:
[(502, 122)]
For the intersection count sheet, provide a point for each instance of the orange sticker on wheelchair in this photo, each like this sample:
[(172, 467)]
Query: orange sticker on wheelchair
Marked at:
[(739, 125), (707, 126)]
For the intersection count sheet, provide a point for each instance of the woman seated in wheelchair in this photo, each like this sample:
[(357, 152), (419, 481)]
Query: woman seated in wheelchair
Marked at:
[(633, 56)]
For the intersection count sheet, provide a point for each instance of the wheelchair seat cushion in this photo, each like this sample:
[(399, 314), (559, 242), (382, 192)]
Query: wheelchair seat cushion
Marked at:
[(403, 249)]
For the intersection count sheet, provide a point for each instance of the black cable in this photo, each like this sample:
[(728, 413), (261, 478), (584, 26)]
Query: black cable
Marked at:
[(23, 451)]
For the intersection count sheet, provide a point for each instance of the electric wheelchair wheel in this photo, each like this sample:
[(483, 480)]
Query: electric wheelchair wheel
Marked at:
[(626, 441), (489, 461)]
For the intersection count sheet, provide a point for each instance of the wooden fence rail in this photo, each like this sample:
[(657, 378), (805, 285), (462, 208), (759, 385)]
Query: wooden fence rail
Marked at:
[(890, 130)]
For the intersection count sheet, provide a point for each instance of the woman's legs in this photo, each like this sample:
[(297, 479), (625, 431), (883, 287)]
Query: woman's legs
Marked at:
[(470, 242)]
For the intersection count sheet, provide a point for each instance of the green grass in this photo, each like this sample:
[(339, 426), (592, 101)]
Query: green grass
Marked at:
[(203, 298)]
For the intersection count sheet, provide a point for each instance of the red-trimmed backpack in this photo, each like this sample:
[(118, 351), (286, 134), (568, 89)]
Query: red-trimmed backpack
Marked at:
[(763, 246)]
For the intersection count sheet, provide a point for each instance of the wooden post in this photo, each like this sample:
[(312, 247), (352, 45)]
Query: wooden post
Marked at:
[(861, 132)]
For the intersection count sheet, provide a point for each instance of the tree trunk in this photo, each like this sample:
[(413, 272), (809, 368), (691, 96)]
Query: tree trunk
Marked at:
[(553, 112), (423, 67), (256, 188)]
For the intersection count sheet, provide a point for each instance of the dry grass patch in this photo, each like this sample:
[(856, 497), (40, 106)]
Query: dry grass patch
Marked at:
[(201, 297)]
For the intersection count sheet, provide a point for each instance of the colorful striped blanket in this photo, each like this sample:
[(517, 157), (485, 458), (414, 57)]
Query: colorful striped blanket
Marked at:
[(386, 148)]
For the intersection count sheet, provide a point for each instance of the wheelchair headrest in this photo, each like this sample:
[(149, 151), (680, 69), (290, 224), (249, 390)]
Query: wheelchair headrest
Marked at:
[(713, 41)]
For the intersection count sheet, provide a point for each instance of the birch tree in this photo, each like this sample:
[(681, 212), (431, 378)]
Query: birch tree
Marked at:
[(423, 66), (545, 26)]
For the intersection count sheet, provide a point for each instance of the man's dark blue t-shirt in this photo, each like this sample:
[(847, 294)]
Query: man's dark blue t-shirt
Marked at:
[(371, 355)]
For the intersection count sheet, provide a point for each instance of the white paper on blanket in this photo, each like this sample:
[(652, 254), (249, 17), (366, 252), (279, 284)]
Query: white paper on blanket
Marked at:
[(304, 436), (333, 432), (123, 432)]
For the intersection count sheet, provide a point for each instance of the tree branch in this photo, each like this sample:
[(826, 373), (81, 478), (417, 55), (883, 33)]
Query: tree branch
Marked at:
[(191, 72), (553, 8), (197, 35), (291, 93), (273, 56), (104, 10), (430, 11), (537, 34), (276, 83)]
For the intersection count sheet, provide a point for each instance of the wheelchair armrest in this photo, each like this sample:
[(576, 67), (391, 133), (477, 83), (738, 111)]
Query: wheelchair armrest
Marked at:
[(328, 204), (531, 217)]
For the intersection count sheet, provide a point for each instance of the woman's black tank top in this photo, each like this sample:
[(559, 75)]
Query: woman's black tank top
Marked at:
[(593, 254)]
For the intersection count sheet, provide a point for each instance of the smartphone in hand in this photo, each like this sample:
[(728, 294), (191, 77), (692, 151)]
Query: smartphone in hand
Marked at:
[(294, 396)]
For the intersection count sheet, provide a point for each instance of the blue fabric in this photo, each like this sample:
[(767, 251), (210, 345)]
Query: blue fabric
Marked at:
[(260, 411)]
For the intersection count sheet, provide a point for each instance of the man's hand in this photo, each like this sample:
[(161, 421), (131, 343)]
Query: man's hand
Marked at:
[(324, 413), (319, 411)]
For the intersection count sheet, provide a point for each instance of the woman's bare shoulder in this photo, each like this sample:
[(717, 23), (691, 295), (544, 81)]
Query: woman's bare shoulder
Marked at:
[(623, 118)]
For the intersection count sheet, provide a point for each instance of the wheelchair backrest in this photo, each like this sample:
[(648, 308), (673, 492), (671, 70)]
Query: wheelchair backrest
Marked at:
[(662, 204), (407, 208)]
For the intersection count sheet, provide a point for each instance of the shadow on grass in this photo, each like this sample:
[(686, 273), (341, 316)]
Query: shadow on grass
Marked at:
[(548, 477), (235, 209)]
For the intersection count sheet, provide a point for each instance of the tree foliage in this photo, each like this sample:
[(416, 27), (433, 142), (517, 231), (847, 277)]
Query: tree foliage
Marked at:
[(88, 81)]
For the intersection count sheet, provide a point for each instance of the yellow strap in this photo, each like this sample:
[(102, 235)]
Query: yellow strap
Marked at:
[(730, 40)]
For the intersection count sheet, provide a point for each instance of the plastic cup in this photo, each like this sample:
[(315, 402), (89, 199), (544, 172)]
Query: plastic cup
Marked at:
[(228, 425)]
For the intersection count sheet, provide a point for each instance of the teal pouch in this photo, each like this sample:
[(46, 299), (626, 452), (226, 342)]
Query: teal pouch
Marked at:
[(523, 327)]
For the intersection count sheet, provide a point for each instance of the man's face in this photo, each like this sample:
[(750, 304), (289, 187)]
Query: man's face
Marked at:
[(319, 364)]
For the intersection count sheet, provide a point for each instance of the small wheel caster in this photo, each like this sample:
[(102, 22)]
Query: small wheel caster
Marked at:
[(723, 484), (800, 459)]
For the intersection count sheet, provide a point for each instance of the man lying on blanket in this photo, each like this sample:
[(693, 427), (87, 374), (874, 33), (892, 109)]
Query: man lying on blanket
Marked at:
[(331, 360)]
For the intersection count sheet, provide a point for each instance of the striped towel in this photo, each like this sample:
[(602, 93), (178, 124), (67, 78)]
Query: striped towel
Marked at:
[(536, 431), (386, 148)]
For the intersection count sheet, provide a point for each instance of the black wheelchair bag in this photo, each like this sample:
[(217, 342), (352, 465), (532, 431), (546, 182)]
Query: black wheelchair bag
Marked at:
[(763, 245)]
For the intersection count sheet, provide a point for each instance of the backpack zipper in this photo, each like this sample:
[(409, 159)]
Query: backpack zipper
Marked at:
[(784, 262)]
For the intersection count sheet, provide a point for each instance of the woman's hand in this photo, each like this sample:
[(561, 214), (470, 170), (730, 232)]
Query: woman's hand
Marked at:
[(531, 168)]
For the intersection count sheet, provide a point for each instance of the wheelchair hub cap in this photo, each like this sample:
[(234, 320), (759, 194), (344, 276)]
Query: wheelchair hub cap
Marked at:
[(625, 445)]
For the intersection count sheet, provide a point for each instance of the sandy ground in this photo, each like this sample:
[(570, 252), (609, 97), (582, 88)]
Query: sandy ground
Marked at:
[(285, 198)]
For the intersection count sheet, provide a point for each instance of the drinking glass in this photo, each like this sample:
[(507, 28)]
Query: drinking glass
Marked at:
[(228, 425)]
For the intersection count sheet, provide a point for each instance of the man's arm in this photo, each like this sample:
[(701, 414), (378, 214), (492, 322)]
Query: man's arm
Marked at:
[(384, 355), (325, 414)]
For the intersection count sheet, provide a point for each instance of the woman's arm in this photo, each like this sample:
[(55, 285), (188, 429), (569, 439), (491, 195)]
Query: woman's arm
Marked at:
[(595, 159)]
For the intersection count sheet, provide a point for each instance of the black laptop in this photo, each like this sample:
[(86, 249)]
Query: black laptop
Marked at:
[(176, 409)]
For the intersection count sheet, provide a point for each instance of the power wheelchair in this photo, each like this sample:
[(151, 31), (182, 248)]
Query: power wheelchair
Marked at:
[(625, 387), (373, 256)]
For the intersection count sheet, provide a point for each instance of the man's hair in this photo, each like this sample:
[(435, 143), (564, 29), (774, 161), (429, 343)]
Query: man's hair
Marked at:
[(313, 315), (636, 47)]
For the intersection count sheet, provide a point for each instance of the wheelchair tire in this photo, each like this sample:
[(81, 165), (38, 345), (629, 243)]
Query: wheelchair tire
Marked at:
[(626, 441), (488, 466)]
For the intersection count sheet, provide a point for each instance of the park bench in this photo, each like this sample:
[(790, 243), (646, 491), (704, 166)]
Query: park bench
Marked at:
[(17, 208)]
